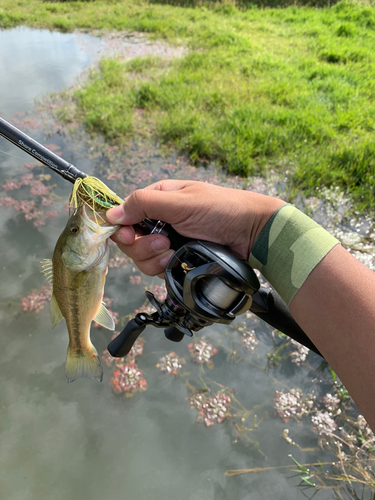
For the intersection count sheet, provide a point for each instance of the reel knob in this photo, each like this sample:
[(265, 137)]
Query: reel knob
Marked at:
[(121, 345), (174, 334)]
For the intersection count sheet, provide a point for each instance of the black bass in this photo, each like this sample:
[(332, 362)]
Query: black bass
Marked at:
[(77, 272)]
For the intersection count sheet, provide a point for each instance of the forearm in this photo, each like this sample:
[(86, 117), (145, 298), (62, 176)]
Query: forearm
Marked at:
[(335, 307)]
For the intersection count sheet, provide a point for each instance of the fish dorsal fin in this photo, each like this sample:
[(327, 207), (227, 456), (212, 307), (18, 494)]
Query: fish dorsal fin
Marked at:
[(47, 270), (56, 314), (104, 318)]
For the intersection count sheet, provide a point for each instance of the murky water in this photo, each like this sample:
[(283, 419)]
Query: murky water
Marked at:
[(83, 441)]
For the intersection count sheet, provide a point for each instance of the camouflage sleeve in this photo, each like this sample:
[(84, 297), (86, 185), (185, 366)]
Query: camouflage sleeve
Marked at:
[(288, 248)]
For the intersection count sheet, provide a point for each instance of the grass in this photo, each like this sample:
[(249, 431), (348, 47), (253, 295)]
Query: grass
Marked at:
[(285, 88)]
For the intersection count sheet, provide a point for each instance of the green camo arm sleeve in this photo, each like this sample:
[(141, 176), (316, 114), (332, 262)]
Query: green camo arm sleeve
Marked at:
[(288, 248)]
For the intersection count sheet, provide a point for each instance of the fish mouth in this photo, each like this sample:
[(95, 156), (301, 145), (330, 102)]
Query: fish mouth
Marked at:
[(102, 231)]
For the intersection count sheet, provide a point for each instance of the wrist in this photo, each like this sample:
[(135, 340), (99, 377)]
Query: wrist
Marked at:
[(264, 209), (288, 249)]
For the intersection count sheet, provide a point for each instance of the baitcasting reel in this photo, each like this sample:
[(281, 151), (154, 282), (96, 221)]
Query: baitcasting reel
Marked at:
[(205, 284)]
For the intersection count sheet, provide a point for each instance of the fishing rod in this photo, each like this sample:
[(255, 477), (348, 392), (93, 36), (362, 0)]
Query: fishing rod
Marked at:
[(205, 282)]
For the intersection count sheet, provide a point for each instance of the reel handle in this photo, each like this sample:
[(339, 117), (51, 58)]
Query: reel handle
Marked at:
[(121, 345)]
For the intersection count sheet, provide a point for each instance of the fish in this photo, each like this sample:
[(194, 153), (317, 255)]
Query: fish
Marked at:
[(78, 272)]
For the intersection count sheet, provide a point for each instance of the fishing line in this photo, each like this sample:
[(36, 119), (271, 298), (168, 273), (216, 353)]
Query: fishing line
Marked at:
[(14, 156)]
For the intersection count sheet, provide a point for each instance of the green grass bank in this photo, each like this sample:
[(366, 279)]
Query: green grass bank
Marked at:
[(288, 88)]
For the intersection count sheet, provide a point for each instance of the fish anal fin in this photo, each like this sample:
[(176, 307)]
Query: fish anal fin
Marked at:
[(83, 363), (47, 269), (104, 318), (56, 314)]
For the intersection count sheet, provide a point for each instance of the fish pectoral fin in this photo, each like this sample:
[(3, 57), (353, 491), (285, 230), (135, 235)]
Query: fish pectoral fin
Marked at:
[(47, 269), (83, 363), (104, 318), (56, 314)]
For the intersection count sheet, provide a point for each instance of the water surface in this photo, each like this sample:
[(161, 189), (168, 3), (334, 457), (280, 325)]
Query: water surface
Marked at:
[(82, 441)]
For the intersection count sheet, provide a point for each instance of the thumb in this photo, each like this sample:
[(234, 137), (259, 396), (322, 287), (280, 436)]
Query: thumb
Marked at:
[(161, 201)]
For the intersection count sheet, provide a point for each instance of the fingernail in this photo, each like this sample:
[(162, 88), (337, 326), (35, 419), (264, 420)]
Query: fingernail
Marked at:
[(115, 215), (159, 245)]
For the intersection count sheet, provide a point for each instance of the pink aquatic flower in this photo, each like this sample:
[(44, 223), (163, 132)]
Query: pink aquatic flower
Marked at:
[(26, 179), (118, 261), (35, 215), (107, 301), (46, 202), (331, 402), (202, 352), (107, 358), (170, 364), (38, 222), (211, 409), (292, 404), (128, 379), (29, 122), (249, 340), (11, 185), (7, 201), (147, 309), (323, 423), (36, 300), (51, 214), (160, 292), (300, 354), (39, 189), (25, 206), (135, 280), (145, 175), (136, 350)]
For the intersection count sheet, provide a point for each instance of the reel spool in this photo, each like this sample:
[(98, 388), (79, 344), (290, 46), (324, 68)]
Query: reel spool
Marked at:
[(205, 284)]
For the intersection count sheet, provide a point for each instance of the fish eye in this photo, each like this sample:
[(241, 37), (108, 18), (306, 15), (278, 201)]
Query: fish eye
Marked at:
[(74, 229)]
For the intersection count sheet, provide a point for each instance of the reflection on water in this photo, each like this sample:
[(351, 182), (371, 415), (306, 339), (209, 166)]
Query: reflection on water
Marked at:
[(33, 62), (83, 440)]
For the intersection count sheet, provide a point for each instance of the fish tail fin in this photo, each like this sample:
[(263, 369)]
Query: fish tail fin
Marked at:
[(83, 363)]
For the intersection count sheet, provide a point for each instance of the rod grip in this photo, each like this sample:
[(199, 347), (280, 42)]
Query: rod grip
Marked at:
[(270, 307)]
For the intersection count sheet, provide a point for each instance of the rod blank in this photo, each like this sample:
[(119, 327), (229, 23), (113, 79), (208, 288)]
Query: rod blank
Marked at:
[(39, 152)]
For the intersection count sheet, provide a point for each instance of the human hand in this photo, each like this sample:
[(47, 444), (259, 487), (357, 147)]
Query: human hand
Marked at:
[(231, 217)]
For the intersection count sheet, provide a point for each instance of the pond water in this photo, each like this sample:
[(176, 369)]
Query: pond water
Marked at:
[(82, 440)]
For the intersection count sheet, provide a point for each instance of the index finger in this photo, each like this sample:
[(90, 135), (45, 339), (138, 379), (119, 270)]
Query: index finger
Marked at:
[(161, 200)]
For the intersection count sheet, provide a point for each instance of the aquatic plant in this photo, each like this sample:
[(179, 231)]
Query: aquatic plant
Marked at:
[(293, 404), (300, 354), (160, 292), (36, 300), (249, 340), (202, 352), (128, 379), (135, 280), (33, 210), (171, 363), (211, 408)]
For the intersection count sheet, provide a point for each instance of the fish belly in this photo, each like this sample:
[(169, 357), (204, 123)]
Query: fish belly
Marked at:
[(79, 304)]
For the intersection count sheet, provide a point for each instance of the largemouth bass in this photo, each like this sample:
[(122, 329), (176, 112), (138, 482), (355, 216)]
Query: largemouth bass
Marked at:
[(77, 271)]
